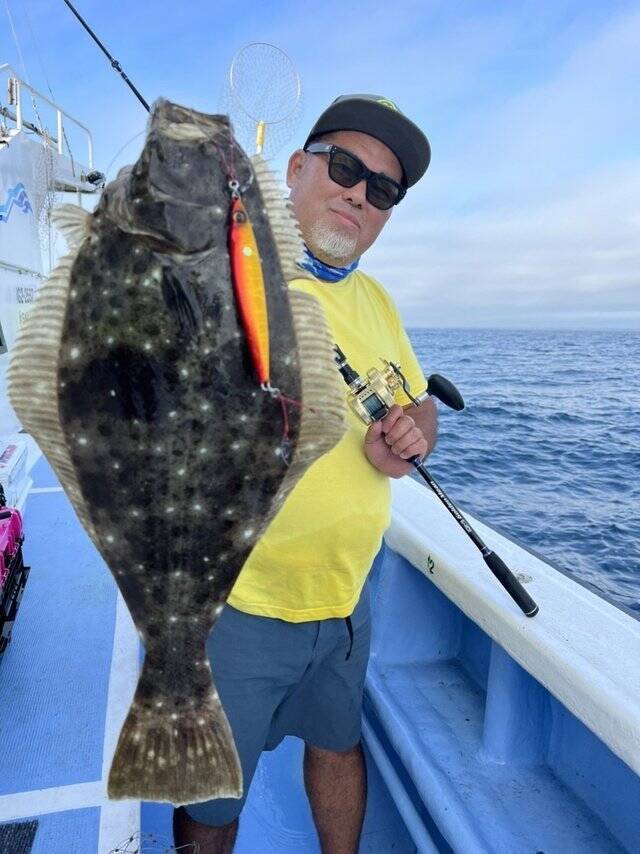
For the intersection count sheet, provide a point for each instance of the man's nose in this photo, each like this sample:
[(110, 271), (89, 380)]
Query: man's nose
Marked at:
[(356, 195)]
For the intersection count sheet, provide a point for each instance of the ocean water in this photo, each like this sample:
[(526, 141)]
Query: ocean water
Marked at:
[(548, 446)]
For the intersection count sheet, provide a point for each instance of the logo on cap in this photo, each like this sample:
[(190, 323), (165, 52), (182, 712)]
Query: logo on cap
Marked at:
[(387, 103)]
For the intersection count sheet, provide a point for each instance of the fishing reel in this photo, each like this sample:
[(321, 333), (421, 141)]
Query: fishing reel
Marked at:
[(372, 397)]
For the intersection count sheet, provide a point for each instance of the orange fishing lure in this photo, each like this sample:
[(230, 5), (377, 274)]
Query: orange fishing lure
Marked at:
[(248, 285)]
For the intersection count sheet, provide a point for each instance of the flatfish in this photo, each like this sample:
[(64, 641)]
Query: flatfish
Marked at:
[(134, 376)]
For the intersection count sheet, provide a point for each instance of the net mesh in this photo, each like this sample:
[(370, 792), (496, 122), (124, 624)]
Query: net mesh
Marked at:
[(45, 199), (262, 87)]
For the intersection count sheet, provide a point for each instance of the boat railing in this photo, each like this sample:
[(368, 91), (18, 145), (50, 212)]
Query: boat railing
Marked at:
[(15, 87)]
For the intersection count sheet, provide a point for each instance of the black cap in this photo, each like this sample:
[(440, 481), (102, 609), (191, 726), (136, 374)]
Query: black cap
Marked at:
[(379, 117)]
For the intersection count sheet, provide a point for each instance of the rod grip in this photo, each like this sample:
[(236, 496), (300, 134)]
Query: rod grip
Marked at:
[(511, 584)]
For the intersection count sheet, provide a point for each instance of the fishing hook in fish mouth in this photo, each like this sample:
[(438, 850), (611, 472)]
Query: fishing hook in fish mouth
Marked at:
[(237, 189)]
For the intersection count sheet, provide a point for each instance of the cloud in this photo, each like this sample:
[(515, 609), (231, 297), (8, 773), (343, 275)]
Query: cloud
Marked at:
[(571, 259), (529, 216), (581, 116), (527, 213)]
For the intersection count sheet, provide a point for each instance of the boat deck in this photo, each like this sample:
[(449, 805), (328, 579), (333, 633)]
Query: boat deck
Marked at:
[(54, 680), (466, 751), (66, 681)]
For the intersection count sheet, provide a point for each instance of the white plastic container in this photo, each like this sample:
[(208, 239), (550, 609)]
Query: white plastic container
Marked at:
[(13, 468)]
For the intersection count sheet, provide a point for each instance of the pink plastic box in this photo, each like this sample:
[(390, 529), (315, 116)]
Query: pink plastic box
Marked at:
[(10, 539)]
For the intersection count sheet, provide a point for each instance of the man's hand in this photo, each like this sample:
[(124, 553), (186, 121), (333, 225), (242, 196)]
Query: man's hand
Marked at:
[(390, 442)]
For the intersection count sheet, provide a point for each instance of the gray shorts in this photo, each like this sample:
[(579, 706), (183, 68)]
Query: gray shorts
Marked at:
[(277, 678)]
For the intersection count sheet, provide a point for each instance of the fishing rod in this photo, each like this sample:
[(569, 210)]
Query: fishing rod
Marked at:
[(372, 398), (114, 62)]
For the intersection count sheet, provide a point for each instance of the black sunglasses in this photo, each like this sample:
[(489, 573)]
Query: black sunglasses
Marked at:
[(348, 170)]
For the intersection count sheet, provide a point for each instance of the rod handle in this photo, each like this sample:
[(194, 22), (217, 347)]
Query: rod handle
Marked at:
[(511, 584)]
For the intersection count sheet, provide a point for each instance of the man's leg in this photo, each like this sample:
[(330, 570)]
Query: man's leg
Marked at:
[(232, 650), (336, 785), (326, 712), (254, 661), (211, 840)]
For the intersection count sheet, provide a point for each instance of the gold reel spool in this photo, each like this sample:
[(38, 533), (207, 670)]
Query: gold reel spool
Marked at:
[(377, 393)]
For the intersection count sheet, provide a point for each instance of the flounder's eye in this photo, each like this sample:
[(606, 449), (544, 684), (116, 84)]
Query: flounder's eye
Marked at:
[(240, 217)]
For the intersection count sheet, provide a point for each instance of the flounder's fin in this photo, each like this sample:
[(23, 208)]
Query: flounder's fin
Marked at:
[(33, 372), (182, 756), (283, 223), (323, 415), (73, 222)]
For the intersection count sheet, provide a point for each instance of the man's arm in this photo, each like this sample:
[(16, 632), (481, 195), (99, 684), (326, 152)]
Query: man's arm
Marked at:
[(401, 434)]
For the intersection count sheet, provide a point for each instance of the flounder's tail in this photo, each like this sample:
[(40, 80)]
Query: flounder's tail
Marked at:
[(180, 751)]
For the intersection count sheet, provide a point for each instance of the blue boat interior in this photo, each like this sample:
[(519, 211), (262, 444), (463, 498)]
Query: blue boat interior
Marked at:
[(465, 751)]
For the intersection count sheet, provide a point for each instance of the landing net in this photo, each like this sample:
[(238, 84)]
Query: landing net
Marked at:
[(263, 98)]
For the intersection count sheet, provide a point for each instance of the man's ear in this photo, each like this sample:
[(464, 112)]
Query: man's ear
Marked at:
[(295, 165)]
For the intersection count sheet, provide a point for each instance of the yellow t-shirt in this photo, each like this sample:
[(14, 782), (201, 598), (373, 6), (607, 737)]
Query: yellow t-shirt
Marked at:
[(313, 559)]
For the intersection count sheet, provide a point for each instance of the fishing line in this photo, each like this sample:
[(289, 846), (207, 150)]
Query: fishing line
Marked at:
[(16, 41), (36, 45), (24, 67), (151, 843), (286, 106), (119, 152)]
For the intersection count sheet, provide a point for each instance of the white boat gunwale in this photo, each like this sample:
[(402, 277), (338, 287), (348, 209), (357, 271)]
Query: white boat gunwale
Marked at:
[(567, 647)]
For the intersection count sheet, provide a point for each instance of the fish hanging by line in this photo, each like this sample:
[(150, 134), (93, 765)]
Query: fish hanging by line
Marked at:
[(134, 375)]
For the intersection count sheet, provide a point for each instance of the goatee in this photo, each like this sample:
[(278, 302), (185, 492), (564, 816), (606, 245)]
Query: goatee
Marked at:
[(333, 244)]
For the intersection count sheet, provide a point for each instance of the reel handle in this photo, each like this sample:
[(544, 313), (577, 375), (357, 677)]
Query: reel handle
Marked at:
[(442, 388)]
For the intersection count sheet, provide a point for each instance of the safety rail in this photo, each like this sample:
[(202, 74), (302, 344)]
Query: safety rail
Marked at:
[(15, 86), (21, 271)]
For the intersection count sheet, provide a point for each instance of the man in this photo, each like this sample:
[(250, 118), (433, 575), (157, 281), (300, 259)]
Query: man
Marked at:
[(290, 651)]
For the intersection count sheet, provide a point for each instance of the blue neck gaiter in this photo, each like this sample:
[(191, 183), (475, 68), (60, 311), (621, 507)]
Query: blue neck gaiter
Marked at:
[(323, 271)]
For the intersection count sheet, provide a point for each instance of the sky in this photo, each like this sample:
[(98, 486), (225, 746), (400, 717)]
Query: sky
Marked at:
[(529, 214)]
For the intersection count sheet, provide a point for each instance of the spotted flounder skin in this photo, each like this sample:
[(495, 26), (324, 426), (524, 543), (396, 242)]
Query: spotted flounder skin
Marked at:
[(170, 451), (176, 448)]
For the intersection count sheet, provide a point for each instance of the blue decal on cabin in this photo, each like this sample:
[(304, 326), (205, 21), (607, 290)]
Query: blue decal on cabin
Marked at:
[(15, 196)]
